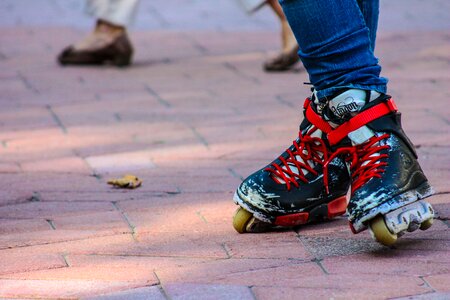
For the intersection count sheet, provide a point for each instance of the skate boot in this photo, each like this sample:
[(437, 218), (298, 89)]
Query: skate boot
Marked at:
[(388, 185), (292, 190)]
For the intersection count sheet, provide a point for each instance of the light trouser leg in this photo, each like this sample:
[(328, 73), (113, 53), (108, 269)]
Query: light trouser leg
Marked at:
[(335, 44), (117, 12)]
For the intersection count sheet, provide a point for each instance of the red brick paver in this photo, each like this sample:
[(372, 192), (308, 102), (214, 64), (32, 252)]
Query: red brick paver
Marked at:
[(192, 117)]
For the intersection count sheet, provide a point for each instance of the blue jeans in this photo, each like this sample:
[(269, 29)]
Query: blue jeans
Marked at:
[(336, 43)]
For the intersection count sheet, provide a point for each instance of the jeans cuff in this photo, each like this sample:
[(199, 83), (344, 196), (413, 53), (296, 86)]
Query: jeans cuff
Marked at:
[(332, 90)]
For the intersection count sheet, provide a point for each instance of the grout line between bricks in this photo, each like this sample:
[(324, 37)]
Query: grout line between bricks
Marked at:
[(127, 220), (445, 221), (117, 117), (311, 252), (27, 83), (51, 223), (442, 118), (56, 119), (35, 197), (441, 193), (152, 92), (318, 262), (160, 286), (59, 242), (19, 165), (210, 258), (202, 217), (413, 296), (95, 175), (261, 132), (158, 16), (283, 101), (200, 137), (252, 292), (267, 268), (227, 250), (234, 69), (196, 45), (236, 111), (77, 154), (427, 284), (235, 174), (66, 260)]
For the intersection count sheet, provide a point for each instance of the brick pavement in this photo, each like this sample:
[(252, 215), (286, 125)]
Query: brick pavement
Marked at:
[(192, 117)]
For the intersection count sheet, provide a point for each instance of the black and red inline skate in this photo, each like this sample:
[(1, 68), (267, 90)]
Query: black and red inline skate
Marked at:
[(290, 191), (388, 184), (309, 180)]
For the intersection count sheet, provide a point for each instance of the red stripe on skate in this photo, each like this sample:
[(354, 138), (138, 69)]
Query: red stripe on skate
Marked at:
[(337, 207), (315, 119), (292, 220)]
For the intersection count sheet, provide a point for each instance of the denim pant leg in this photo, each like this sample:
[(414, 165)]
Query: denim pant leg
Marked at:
[(370, 10), (335, 43)]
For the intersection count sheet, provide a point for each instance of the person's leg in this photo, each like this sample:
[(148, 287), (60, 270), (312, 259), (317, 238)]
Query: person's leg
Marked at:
[(288, 55), (117, 12), (287, 36), (370, 11), (348, 118), (334, 43), (108, 42)]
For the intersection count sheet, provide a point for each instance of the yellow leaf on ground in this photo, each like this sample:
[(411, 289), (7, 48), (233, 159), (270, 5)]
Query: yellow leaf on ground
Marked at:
[(126, 182)]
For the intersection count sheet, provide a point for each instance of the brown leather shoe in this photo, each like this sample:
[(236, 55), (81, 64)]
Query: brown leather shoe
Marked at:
[(118, 53), (282, 62)]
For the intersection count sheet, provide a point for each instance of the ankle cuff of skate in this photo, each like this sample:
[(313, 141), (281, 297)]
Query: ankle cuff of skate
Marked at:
[(361, 119)]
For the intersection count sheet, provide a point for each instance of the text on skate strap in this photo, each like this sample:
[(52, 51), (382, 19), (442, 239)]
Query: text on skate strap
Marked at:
[(360, 120)]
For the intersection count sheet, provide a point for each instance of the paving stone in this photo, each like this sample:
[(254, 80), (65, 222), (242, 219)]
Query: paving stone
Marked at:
[(380, 286), (432, 296), (331, 293), (58, 165), (144, 293), (58, 288), (392, 262), (141, 276), (92, 245), (123, 162), (211, 271), (19, 262), (48, 210), (186, 291), (279, 244)]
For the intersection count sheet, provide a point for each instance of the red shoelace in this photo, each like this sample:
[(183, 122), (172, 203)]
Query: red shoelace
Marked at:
[(365, 161), (310, 149)]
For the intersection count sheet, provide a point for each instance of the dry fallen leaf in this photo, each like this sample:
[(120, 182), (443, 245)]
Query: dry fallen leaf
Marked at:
[(126, 182)]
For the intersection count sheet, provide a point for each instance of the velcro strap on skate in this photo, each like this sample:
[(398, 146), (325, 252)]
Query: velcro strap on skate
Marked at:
[(315, 119), (360, 120)]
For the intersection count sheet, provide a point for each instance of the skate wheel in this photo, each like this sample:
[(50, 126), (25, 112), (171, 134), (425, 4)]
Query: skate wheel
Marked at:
[(381, 233), (426, 224), (241, 219)]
